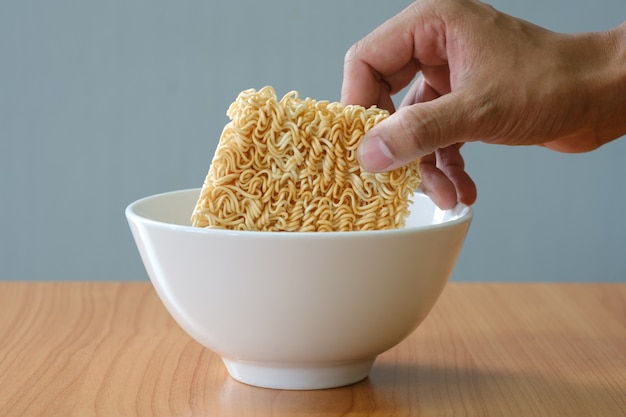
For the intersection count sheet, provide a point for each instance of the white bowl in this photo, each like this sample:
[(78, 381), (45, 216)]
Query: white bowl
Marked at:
[(297, 310)]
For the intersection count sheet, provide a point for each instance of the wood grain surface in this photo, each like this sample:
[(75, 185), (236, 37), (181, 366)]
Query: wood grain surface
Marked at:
[(111, 349)]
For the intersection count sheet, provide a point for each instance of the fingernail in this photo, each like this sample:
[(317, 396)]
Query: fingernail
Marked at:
[(374, 155)]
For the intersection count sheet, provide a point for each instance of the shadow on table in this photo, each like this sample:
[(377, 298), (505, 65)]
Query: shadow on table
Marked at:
[(436, 391), (459, 391)]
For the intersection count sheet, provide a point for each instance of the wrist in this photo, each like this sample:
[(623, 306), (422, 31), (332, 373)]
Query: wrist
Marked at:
[(609, 85)]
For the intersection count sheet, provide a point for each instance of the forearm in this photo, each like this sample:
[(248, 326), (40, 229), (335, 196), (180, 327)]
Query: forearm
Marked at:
[(589, 100)]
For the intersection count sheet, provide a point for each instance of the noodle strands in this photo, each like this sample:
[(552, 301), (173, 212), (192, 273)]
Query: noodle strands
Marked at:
[(291, 165)]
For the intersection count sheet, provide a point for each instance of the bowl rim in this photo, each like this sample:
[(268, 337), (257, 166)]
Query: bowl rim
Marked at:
[(465, 215)]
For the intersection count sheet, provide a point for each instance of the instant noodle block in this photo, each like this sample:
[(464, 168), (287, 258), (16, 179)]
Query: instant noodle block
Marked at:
[(291, 165)]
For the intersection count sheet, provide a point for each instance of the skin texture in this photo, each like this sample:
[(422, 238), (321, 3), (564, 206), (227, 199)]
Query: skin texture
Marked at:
[(480, 75)]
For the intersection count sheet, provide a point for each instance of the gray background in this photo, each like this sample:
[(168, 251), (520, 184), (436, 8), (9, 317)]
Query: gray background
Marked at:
[(103, 102)]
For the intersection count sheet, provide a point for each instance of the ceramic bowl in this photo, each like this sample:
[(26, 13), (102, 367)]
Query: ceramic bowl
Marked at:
[(288, 310)]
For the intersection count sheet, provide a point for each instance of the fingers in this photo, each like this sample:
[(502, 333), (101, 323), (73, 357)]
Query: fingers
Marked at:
[(413, 132), (366, 84), (451, 163), (436, 184), (419, 92), (385, 61), (444, 178)]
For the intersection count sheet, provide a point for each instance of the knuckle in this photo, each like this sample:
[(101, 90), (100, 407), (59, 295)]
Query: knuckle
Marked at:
[(352, 54)]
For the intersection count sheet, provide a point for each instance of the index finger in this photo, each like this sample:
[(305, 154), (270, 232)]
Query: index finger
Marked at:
[(370, 63), (387, 59)]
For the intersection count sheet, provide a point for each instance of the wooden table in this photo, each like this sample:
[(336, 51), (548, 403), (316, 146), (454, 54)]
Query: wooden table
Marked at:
[(111, 349)]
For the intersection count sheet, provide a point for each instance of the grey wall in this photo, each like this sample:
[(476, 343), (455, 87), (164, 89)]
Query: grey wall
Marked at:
[(103, 102)]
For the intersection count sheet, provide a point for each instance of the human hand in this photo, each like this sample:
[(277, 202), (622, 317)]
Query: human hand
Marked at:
[(485, 76)]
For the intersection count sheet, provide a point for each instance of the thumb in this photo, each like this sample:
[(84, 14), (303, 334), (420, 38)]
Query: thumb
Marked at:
[(412, 132)]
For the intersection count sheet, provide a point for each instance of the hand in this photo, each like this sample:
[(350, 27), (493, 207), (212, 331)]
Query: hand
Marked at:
[(484, 76)]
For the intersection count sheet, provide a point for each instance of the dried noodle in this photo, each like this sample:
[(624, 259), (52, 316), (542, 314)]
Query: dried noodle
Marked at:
[(291, 165)]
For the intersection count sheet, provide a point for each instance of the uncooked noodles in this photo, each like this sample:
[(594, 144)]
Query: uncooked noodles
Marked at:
[(291, 165)]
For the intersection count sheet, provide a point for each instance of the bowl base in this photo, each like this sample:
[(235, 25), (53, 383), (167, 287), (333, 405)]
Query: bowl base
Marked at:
[(299, 376)]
